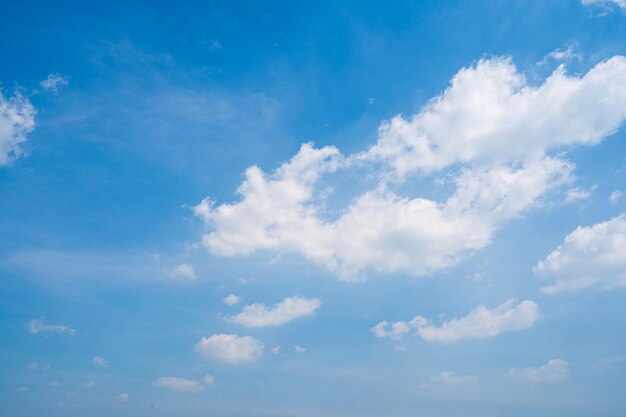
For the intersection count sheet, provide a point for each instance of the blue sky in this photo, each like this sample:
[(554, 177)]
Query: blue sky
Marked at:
[(313, 209)]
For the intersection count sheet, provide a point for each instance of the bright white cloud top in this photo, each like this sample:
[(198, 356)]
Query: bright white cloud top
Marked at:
[(178, 384), (38, 326), (291, 308), (552, 371), (497, 136), (17, 120), (589, 256), (230, 348), (480, 323)]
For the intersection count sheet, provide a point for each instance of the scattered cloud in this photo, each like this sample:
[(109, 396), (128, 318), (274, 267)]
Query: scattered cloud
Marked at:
[(231, 300), (123, 398), (566, 54), (38, 326), (578, 194), (606, 363), (230, 348), (552, 371), (208, 379), (275, 350), (54, 384), (33, 365), (299, 349), (615, 196), (21, 390), (498, 140), (53, 82), (89, 384), (589, 256), (184, 271), (17, 120), (605, 4), (449, 378), (291, 308), (178, 384), (101, 362), (480, 323)]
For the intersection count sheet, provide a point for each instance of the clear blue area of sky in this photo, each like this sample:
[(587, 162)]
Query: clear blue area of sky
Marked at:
[(170, 102)]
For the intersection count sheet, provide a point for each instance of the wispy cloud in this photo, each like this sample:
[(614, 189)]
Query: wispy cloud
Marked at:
[(38, 326)]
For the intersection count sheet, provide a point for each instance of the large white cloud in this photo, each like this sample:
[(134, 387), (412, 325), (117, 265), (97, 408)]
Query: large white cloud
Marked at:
[(552, 371), (230, 348), (491, 132), (17, 119), (291, 308), (480, 323), (589, 256)]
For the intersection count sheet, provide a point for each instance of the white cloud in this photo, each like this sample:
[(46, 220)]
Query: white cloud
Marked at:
[(291, 308), (450, 378), (53, 82), (38, 326), (123, 397), (299, 349), (178, 384), (101, 362), (480, 323), (578, 194), (231, 300), (208, 379), (605, 3), (230, 348), (491, 132), (605, 363), (275, 350), (552, 371), (17, 120), (615, 196), (33, 365), (566, 54), (184, 271), (589, 256)]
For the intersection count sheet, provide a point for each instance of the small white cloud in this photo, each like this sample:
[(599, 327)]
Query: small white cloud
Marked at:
[(291, 308), (275, 350), (32, 365), (208, 379), (101, 362), (89, 384), (123, 397), (53, 82), (231, 300), (567, 54), (605, 363), (589, 256), (552, 371), (451, 378), (184, 271), (299, 349), (480, 323), (615, 196), (230, 348), (178, 384), (17, 120), (38, 326), (577, 194)]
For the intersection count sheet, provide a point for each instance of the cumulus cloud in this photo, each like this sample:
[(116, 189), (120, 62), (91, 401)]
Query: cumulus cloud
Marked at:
[(53, 82), (589, 256), (552, 371), (38, 326), (480, 323), (579, 194), (230, 348), (184, 271), (291, 308), (17, 120), (231, 300), (566, 54), (101, 362), (178, 384), (496, 137), (615, 196)]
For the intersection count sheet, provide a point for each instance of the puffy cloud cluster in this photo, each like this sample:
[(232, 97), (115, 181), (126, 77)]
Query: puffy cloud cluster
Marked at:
[(17, 120), (291, 308), (589, 256), (495, 135), (480, 323), (230, 348), (552, 371)]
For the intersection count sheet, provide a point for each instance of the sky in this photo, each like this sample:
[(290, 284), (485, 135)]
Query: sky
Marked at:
[(407, 208)]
